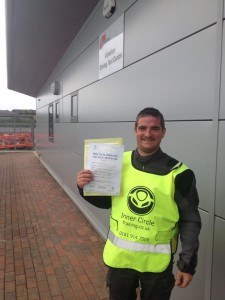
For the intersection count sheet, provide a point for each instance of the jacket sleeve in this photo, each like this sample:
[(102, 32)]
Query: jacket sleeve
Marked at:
[(98, 201), (186, 197)]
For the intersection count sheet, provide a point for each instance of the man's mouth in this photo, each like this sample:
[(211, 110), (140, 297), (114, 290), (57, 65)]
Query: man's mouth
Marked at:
[(148, 140)]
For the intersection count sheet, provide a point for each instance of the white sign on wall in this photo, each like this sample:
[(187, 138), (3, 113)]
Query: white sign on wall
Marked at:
[(111, 49)]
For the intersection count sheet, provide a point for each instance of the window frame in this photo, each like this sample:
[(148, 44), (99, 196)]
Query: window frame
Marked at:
[(51, 123), (74, 117)]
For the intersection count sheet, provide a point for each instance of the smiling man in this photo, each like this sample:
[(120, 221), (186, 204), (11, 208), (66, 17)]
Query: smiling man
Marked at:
[(158, 202)]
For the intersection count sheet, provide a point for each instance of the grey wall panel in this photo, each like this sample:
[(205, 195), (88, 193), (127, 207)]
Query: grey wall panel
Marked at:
[(95, 26), (58, 135), (152, 25), (42, 121), (182, 142), (178, 80), (220, 187), (41, 133), (71, 163), (64, 165), (43, 146), (74, 134), (83, 71), (196, 289), (218, 286), (222, 95), (40, 137), (50, 153), (66, 113), (42, 115)]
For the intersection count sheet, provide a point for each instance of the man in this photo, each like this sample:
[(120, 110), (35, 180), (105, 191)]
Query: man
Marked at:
[(158, 202)]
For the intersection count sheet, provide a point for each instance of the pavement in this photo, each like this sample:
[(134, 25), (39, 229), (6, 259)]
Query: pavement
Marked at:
[(48, 250)]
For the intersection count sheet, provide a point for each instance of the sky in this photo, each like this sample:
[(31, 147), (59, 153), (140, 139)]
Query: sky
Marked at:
[(9, 99)]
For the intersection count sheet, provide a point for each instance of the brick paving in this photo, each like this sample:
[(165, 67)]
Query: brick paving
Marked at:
[(48, 250)]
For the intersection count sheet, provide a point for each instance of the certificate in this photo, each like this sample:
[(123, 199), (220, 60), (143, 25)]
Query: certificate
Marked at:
[(105, 161)]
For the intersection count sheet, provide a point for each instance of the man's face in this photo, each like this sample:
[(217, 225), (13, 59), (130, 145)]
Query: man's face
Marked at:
[(149, 134)]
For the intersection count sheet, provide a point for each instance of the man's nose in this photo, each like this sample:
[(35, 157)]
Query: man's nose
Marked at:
[(148, 132)]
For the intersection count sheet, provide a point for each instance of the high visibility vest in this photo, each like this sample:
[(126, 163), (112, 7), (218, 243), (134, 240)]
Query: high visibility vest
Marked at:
[(143, 221)]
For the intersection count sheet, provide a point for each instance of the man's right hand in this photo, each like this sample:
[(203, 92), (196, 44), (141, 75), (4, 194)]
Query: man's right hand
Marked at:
[(84, 177)]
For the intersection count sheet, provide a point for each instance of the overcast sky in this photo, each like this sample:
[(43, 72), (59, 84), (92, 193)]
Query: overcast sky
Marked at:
[(9, 99)]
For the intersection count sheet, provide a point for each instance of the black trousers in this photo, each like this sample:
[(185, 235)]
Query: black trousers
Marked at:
[(123, 283)]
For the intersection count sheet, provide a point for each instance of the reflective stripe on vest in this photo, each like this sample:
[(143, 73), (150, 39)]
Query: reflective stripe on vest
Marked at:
[(128, 245)]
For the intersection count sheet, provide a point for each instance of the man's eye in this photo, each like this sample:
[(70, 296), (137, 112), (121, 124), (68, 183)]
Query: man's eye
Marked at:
[(156, 128), (141, 128)]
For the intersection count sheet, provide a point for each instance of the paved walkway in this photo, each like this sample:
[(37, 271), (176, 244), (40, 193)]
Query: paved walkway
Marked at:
[(47, 248)]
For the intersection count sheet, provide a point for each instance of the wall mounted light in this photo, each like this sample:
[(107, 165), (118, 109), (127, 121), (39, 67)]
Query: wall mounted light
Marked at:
[(109, 7), (55, 88)]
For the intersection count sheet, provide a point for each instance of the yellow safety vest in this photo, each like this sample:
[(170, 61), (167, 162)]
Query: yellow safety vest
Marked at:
[(143, 222)]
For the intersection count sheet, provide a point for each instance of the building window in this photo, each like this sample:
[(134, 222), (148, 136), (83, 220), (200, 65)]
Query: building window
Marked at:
[(74, 107), (50, 124)]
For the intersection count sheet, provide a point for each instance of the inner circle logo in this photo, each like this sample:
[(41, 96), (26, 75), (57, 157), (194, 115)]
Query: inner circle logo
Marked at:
[(141, 200)]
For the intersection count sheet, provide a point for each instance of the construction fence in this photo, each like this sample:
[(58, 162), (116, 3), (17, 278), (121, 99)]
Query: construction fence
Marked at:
[(17, 132)]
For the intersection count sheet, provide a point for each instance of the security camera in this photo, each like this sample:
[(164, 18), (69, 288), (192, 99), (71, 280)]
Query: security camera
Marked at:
[(109, 8)]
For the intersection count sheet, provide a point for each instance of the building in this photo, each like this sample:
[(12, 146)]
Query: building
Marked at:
[(166, 54)]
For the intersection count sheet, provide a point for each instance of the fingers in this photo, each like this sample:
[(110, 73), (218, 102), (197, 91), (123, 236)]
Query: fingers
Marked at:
[(84, 177), (183, 279)]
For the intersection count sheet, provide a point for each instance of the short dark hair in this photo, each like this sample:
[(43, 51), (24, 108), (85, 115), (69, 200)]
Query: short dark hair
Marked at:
[(150, 111)]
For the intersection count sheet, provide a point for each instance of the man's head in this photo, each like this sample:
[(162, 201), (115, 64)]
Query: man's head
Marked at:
[(150, 111), (149, 130)]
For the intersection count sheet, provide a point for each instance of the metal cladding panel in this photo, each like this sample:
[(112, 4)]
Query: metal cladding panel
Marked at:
[(153, 25), (178, 80), (196, 288), (218, 286), (83, 71), (41, 137), (42, 115), (95, 26), (74, 134), (66, 113), (222, 95), (220, 191), (70, 164), (182, 142)]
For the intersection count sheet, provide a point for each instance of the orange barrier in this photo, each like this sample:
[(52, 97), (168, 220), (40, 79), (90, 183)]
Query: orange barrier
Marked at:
[(16, 141)]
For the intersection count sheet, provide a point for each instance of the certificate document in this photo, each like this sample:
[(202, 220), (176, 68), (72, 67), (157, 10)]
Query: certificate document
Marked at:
[(105, 161)]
